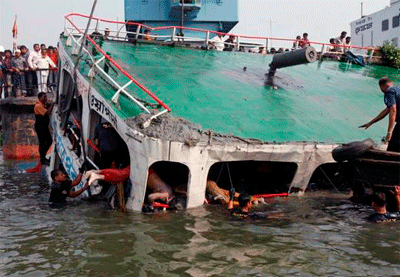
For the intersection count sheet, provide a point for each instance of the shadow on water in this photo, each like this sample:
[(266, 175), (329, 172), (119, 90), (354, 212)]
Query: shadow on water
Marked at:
[(318, 235)]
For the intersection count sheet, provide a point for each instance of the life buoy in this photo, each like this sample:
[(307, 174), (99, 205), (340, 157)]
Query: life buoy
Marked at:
[(351, 150)]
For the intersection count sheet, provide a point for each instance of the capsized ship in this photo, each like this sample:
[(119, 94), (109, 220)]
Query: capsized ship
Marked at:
[(194, 115)]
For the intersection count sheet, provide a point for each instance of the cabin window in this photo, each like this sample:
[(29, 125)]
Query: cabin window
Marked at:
[(252, 177), (396, 21), (385, 25)]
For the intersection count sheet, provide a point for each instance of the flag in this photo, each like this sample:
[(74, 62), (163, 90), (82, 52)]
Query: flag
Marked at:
[(15, 34), (15, 28)]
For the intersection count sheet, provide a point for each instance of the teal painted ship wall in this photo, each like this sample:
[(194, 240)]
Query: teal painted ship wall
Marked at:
[(213, 14)]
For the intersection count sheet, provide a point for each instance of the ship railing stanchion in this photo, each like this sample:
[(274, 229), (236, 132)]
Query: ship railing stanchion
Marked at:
[(207, 40), (137, 31), (122, 89), (92, 72), (173, 34), (266, 45), (115, 98), (238, 44)]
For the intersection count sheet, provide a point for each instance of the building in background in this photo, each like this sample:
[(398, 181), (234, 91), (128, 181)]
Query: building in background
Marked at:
[(376, 28)]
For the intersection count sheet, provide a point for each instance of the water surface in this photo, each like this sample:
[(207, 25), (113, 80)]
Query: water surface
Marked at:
[(322, 234)]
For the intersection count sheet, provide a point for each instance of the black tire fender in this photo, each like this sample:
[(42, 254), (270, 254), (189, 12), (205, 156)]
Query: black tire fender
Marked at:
[(351, 150)]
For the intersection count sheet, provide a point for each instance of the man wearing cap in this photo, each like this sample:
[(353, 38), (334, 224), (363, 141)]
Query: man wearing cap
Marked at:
[(20, 66)]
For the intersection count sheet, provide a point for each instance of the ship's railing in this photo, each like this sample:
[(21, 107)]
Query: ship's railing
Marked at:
[(75, 38), (27, 83), (203, 38)]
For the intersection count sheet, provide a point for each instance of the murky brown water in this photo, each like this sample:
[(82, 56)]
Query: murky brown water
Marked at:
[(319, 235)]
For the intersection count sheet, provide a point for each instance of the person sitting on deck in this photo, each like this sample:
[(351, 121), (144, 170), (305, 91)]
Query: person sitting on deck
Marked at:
[(379, 206), (391, 99), (61, 187), (147, 35)]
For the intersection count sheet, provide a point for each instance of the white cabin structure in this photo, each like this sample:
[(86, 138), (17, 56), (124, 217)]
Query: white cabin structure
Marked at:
[(377, 28)]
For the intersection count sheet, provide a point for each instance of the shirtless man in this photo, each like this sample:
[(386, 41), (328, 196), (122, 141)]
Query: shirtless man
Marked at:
[(160, 189)]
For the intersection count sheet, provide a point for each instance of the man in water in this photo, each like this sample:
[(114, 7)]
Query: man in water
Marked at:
[(379, 206), (42, 111), (61, 188), (391, 99), (245, 204)]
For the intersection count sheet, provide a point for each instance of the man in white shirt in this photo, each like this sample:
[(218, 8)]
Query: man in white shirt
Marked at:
[(218, 42), (43, 63), (31, 81)]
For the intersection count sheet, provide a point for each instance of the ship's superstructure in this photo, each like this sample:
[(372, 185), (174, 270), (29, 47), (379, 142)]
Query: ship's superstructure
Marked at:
[(212, 15), (376, 28)]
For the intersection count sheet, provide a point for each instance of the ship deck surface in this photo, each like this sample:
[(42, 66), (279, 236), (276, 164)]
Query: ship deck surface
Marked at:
[(322, 102)]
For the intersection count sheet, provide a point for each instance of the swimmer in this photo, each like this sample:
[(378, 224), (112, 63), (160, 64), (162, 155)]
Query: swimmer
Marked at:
[(379, 206), (61, 187)]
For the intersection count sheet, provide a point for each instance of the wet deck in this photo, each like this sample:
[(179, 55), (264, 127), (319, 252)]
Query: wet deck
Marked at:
[(322, 102)]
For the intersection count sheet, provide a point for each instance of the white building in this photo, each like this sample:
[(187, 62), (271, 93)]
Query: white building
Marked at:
[(376, 28)]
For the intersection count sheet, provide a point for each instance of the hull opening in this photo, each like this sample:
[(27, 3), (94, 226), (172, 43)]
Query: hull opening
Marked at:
[(167, 183), (253, 177)]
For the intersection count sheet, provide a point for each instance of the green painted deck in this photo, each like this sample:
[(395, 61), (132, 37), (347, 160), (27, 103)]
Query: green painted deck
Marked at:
[(322, 102)]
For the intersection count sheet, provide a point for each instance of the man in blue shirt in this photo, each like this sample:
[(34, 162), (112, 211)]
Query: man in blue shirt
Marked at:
[(391, 99)]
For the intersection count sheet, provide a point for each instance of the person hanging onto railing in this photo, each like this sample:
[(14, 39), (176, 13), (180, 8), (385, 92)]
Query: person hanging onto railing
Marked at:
[(347, 44), (230, 43), (20, 66), (304, 41), (42, 66), (62, 186), (147, 35), (7, 71), (218, 42), (296, 43), (392, 102), (42, 111)]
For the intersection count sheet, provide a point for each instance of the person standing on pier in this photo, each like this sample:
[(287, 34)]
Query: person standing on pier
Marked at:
[(43, 110), (391, 99), (43, 64), (31, 80)]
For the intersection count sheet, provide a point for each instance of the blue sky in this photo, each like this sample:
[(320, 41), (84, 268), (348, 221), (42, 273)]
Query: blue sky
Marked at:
[(42, 20)]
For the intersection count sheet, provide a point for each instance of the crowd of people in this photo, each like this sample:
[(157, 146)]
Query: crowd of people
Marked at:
[(25, 73)]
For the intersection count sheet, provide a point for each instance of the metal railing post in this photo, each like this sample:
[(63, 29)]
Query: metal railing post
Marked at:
[(207, 39), (238, 44), (137, 31), (266, 45), (173, 34)]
